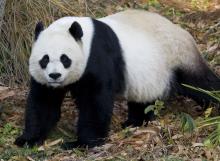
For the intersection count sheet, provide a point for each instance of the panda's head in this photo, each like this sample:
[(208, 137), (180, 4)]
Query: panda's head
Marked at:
[(57, 58)]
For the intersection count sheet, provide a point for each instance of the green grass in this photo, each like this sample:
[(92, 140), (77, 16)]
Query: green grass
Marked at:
[(7, 132)]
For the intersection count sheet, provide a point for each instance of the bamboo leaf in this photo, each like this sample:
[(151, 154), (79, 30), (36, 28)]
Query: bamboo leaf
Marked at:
[(187, 123), (149, 108)]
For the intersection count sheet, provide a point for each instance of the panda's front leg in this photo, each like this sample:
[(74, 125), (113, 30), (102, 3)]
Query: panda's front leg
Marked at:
[(42, 113), (95, 111)]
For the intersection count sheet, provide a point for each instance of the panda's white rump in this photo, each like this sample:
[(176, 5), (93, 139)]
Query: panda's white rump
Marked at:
[(152, 48)]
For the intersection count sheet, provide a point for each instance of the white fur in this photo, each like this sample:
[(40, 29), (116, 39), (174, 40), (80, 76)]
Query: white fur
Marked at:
[(55, 41), (152, 48)]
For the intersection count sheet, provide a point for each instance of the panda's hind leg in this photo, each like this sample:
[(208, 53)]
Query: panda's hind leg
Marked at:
[(136, 115)]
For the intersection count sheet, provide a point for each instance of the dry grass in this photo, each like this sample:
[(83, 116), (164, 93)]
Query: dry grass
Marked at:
[(18, 25)]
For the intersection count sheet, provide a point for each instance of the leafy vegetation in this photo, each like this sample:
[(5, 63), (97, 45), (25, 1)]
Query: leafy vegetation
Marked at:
[(7, 132), (187, 123), (213, 139), (157, 107), (214, 94)]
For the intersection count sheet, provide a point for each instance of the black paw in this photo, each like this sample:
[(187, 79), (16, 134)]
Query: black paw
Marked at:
[(22, 140), (130, 123)]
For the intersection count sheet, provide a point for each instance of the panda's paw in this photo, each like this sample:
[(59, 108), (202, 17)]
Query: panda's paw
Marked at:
[(22, 140), (131, 123)]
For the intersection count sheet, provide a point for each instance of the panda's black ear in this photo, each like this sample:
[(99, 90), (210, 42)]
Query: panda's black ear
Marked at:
[(39, 27), (76, 31)]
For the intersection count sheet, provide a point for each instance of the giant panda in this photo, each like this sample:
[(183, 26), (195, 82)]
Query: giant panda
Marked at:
[(136, 54)]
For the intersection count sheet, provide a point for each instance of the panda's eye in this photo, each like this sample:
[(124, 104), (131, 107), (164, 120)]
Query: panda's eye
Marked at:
[(44, 61), (65, 61)]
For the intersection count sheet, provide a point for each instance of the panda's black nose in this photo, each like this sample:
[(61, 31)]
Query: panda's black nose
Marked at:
[(54, 75)]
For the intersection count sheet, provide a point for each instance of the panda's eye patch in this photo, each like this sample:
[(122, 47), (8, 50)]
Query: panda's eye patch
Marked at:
[(44, 61), (65, 60)]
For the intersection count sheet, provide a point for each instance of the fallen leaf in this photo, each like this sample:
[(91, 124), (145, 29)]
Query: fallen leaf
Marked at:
[(139, 142), (177, 136), (30, 159), (152, 130), (41, 148), (197, 144), (55, 142)]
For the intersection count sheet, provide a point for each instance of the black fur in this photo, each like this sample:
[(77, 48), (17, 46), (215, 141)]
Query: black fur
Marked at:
[(39, 27), (94, 94), (44, 61), (42, 113), (136, 114), (95, 91), (65, 60), (204, 78), (76, 31)]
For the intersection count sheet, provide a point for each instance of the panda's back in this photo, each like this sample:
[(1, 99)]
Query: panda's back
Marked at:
[(153, 48)]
